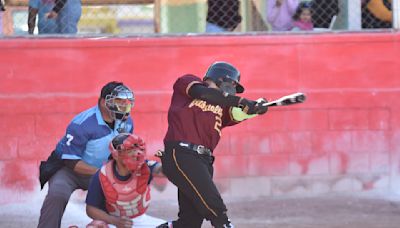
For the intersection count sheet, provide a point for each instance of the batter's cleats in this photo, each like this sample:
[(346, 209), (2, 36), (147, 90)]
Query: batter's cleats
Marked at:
[(165, 225)]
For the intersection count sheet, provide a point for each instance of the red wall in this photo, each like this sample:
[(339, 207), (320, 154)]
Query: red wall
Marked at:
[(348, 128)]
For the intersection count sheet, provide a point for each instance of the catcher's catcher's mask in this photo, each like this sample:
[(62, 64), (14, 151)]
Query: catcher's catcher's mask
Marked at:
[(130, 148), (120, 102)]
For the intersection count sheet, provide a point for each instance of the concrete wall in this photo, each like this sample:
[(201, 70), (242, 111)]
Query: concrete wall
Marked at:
[(343, 139)]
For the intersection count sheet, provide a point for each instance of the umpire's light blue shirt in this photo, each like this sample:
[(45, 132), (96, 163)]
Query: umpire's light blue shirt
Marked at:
[(88, 136)]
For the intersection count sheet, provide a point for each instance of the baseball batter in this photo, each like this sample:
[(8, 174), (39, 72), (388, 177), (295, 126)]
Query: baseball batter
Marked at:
[(199, 110)]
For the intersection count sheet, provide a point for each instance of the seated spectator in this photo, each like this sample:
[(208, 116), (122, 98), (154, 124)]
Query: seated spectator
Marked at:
[(280, 12), (222, 15), (377, 14), (323, 12), (302, 18)]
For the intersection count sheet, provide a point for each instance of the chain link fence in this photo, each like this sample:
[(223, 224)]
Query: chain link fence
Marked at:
[(134, 17)]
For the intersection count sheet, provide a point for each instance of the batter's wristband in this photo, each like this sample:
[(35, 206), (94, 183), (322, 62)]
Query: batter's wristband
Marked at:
[(232, 100)]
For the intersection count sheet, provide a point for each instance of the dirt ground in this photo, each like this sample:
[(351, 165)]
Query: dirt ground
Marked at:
[(338, 211), (308, 212)]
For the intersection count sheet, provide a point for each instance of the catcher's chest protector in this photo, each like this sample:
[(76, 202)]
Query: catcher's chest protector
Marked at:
[(125, 198)]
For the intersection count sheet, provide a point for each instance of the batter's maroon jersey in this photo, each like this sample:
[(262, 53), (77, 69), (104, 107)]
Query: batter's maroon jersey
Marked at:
[(193, 120)]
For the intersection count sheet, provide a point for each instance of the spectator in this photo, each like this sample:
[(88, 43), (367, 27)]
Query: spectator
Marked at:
[(41, 8), (119, 192), (302, 18), (2, 8), (67, 13), (377, 14), (222, 15), (83, 150), (323, 12), (280, 12)]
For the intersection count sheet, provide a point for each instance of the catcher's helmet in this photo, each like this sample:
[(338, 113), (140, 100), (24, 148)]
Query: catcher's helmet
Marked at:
[(221, 71), (130, 148), (120, 102)]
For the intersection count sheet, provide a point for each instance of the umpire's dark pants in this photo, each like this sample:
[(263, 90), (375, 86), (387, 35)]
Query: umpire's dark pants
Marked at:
[(61, 186), (197, 194)]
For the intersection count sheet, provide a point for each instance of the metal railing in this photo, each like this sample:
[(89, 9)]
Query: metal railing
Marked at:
[(132, 17)]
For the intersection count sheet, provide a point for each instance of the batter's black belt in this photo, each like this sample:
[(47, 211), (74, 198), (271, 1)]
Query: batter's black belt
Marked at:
[(200, 149)]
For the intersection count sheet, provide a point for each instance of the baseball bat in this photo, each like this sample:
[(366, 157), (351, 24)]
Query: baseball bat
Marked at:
[(290, 99)]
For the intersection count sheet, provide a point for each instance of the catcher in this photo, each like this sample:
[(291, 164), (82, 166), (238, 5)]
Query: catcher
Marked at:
[(119, 193)]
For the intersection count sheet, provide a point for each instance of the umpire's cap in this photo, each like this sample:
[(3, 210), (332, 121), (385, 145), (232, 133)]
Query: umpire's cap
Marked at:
[(109, 88)]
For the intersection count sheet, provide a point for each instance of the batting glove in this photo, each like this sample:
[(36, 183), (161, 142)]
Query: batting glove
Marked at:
[(260, 108)]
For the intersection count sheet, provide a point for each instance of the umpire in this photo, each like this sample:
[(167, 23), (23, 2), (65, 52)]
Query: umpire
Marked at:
[(199, 110)]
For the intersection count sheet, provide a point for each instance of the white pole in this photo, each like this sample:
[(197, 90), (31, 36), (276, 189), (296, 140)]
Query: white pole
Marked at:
[(354, 14), (396, 13)]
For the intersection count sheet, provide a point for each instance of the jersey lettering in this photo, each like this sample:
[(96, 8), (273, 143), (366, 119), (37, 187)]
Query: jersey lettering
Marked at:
[(216, 109), (218, 124)]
